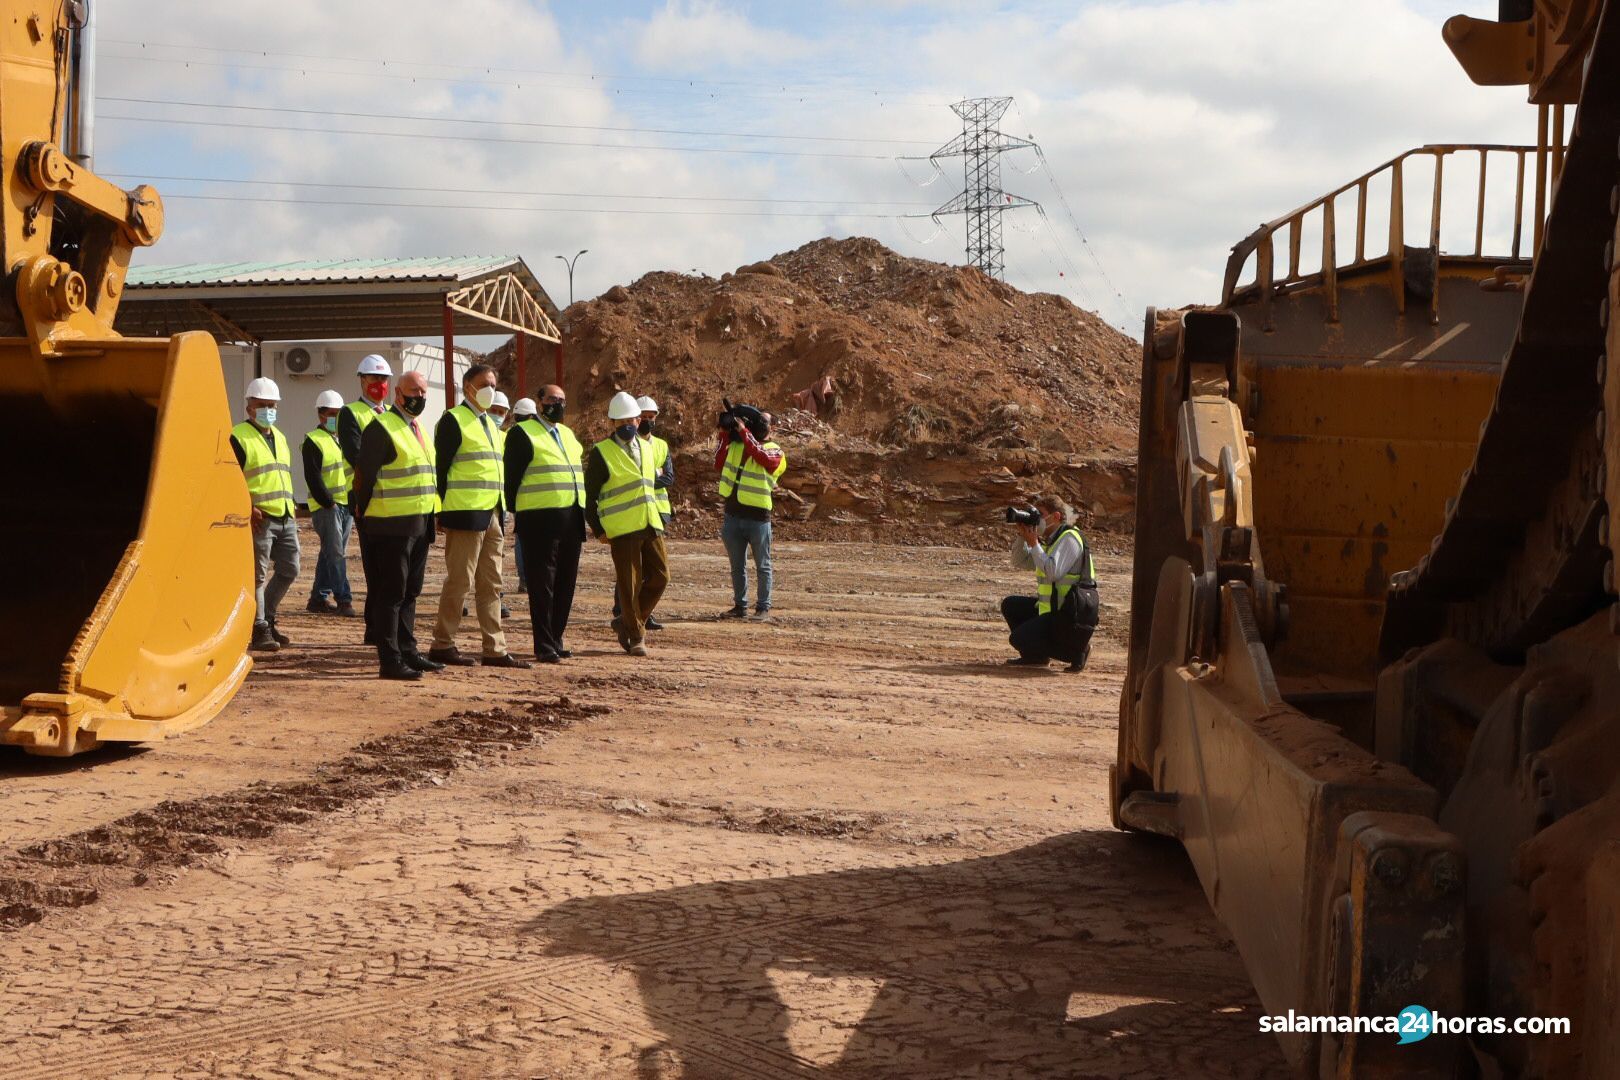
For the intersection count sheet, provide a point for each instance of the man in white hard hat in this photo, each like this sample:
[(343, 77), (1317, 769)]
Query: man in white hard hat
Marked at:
[(266, 462), (500, 410), (467, 449), (545, 486), (523, 409), (647, 430), (328, 479), (394, 501), (621, 507), (374, 374)]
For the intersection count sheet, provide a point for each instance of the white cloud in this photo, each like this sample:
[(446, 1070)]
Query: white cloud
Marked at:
[(698, 36)]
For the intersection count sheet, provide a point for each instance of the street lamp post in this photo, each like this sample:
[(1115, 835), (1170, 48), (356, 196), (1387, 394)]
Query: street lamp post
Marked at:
[(570, 264)]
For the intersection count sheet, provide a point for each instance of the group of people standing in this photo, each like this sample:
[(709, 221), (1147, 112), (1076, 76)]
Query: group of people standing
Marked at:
[(370, 467)]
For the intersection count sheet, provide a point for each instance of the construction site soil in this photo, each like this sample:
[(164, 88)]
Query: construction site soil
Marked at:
[(846, 841), (914, 400)]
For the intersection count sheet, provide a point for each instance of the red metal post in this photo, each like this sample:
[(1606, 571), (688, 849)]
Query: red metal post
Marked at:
[(522, 363), (559, 362), (449, 356)]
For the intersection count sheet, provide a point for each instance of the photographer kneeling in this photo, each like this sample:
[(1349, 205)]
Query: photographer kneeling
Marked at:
[(1058, 621)]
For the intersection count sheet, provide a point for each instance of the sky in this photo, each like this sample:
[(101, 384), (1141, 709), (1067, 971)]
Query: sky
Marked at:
[(699, 135)]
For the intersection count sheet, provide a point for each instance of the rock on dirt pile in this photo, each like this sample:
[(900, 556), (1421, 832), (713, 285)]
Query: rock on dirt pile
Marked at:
[(910, 392)]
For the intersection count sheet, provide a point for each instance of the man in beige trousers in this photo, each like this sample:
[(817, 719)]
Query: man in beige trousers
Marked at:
[(467, 447)]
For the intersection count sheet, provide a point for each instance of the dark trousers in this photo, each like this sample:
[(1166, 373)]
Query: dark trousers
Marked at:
[(549, 546), (1038, 637), (394, 568)]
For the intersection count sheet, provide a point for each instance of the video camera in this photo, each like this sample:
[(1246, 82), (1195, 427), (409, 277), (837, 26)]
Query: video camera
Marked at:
[(1019, 515), (737, 416)]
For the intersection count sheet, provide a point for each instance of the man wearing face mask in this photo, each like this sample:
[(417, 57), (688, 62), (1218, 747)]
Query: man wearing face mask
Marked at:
[(395, 500), (374, 374), (647, 430), (545, 486), (467, 446), (1056, 623), (327, 477), (621, 507), (266, 462)]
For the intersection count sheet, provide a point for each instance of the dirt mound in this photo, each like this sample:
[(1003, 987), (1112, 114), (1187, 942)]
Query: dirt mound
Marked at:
[(910, 392)]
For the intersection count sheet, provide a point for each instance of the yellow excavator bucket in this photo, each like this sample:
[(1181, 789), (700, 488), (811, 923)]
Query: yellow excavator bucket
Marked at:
[(124, 518), (124, 528)]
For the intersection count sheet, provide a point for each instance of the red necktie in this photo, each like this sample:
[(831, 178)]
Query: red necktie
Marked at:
[(418, 433)]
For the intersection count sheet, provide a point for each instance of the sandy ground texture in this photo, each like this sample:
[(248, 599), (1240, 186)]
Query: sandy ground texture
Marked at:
[(846, 842)]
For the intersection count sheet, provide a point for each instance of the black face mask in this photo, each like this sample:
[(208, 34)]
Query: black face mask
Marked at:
[(553, 410), (646, 426), (413, 405)]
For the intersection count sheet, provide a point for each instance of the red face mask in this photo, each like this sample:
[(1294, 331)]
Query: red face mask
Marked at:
[(377, 391)]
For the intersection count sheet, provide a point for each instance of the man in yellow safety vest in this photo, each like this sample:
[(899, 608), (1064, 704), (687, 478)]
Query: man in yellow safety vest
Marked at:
[(621, 507), (395, 500), (327, 477), (545, 486), (750, 466), (467, 448), (665, 463), (266, 462)]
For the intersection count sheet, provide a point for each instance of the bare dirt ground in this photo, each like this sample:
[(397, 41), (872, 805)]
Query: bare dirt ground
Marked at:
[(845, 842)]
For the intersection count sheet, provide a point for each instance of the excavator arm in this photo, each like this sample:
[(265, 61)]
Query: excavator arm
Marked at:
[(124, 522)]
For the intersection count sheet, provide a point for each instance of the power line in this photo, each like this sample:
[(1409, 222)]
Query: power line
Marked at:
[(457, 81), (507, 123), (372, 204), (982, 201), (491, 139), (488, 191), (492, 68)]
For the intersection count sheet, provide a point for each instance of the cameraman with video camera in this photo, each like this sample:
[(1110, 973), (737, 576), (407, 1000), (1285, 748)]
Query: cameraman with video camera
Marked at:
[(1057, 623), (750, 466)]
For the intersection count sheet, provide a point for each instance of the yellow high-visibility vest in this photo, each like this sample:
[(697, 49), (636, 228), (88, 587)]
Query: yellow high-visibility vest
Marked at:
[(334, 470), (748, 477), (660, 450), (555, 477), (407, 485), (475, 478), (1050, 595), (628, 501), (268, 475)]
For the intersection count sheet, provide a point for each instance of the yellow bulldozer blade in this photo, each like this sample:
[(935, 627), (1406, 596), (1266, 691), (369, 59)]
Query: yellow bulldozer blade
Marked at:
[(124, 538)]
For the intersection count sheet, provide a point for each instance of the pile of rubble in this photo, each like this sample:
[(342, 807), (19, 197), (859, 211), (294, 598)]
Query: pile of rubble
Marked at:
[(911, 396)]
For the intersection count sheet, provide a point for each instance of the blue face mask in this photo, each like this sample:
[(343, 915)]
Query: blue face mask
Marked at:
[(626, 432), (264, 415), (330, 424)]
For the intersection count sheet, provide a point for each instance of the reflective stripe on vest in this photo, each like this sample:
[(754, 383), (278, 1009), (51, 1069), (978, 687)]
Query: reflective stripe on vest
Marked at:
[(1080, 573), (748, 477), (269, 476), (408, 485), (660, 456), (334, 470), (555, 477), (628, 501), (474, 481)]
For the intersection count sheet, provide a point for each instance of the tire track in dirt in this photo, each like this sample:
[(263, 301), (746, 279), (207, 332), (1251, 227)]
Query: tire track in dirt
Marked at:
[(74, 870)]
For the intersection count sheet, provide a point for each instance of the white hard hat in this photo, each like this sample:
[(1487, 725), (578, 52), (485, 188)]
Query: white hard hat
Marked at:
[(623, 407), (500, 401), (375, 364), (525, 407), (329, 399), (263, 390), (647, 404)]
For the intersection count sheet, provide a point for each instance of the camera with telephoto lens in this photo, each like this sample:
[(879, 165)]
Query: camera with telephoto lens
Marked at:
[(1023, 516)]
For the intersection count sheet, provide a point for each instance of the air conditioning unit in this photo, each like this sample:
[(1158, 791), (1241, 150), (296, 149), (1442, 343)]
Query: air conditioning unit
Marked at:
[(304, 363)]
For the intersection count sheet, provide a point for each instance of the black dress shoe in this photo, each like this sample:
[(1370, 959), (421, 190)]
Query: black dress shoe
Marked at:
[(418, 662), (1027, 661), (547, 658), (564, 654), (401, 672), (450, 657), (654, 624), (507, 660)]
